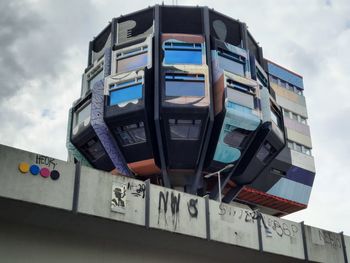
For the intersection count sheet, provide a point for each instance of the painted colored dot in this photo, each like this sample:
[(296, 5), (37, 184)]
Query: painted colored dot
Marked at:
[(34, 169), (23, 167), (44, 172), (55, 175)]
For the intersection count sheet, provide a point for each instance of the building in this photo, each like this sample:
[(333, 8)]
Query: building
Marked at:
[(174, 94)]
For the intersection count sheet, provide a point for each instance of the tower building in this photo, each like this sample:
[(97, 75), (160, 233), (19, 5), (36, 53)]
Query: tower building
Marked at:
[(173, 94)]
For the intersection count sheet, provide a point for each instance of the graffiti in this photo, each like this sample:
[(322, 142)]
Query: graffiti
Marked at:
[(48, 161), (240, 214), (192, 207), (330, 238), (282, 229), (118, 202), (138, 190), (174, 207)]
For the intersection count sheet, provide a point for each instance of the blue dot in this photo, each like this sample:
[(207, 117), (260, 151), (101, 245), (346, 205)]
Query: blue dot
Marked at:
[(34, 169)]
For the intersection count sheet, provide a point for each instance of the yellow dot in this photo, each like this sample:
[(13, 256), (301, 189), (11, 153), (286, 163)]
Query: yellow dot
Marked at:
[(23, 167)]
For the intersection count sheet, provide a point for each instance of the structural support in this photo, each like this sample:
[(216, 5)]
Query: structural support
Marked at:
[(156, 65), (306, 254), (147, 202), (210, 125), (261, 249), (232, 194), (344, 247), (207, 216), (76, 187)]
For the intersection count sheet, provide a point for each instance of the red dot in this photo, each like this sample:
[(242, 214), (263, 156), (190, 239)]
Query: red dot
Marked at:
[(44, 172)]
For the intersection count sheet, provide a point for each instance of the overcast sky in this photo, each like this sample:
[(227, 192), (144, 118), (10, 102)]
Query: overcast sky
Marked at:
[(44, 47)]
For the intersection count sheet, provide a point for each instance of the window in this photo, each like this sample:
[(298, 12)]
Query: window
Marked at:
[(275, 116), (231, 62), (294, 116), (182, 53), (132, 59), (302, 120), (125, 92), (298, 91), (283, 83), (236, 137), (93, 149), (184, 129), (82, 113), (232, 84), (265, 152), (96, 78), (286, 113), (298, 147), (131, 134), (182, 85), (273, 79)]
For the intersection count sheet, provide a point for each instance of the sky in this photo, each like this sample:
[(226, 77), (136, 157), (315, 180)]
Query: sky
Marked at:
[(44, 48)]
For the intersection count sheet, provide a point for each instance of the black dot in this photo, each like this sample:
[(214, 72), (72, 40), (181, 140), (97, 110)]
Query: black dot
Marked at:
[(54, 175)]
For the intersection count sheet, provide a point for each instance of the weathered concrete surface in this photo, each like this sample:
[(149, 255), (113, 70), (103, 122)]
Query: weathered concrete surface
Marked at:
[(35, 188), (323, 245), (96, 230), (233, 225), (177, 212), (282, 237), (95, 196)]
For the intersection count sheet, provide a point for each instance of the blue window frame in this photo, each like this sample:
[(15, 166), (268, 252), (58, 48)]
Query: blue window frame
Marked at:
[(182, 53), (231, 62), (132, 59), (125, 92), (182, 85)]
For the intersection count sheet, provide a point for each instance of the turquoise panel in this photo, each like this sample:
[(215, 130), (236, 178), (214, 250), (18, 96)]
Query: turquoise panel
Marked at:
[(238, 123)]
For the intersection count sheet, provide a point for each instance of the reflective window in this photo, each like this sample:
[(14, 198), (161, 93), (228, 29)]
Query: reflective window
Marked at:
[(132, 59), (283, 83), (182, 53), (178, 85), (82, 114), (297, 147), (265, 152), (273, 79), (275, 117), (124, 95), (131, 134), (96, 78), (231, 62), (294, 116), (302, 120), (94, 149), (184, 129), (236, 137)]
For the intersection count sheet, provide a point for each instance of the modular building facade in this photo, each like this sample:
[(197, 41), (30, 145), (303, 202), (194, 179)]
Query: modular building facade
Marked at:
[(183, 96)]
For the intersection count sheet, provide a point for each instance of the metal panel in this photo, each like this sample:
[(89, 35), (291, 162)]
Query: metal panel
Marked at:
[(282, 236), (292, 106), (291, 190), (177, 212), (114, 197), (303, 161), (347, 246), (233, 225), (26, 176), (323, 245), (299, 138)]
